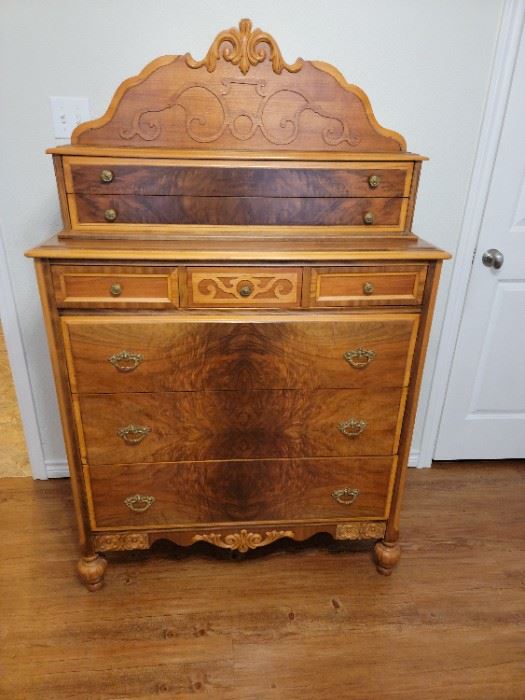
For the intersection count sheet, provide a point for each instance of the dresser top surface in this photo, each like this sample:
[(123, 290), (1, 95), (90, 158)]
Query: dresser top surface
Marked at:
[(193, 248)]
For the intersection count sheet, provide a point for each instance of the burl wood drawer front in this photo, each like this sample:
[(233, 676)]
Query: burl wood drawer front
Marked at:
[(368, 285), (207, 492), (207, 425), (113, 354), (115, 286), (157, 177), (145, 210), (265, 287)]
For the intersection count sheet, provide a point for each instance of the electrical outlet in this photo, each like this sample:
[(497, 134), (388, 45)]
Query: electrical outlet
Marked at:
[(68, 113)]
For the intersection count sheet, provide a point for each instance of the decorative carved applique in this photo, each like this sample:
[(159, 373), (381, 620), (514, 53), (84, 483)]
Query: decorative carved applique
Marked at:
[(243, 540), (235, 287), (244, 48), (221, 111), (366, 530), (119, 543)]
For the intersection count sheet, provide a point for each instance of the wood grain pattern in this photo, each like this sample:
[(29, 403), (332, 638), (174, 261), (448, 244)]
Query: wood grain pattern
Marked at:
[(244, 425), (238, 178), (364, 286), (270, 351), (241, 491), (146, 210), (90, 286)]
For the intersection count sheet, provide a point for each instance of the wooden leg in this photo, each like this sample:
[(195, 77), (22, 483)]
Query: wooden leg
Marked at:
[(387, 556), (91, 569)]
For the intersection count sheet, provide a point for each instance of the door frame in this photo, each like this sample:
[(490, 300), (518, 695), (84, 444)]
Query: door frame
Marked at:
[(19, 369), (504, 62)]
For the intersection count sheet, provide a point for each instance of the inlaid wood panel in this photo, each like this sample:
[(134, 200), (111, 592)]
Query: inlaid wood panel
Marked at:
[(208, 492), (208, 425), (237, 178), (354, 212), (368, 285), (268, 351), (115, 286), (243, 287)]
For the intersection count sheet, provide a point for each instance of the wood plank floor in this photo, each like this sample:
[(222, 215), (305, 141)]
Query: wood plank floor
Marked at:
[(295, 621)]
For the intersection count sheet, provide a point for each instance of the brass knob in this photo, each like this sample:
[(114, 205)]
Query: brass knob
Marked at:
[(374, 181), (368, 288), (359, 358), (110, 214), (368, 218), (106, 176), (115, 290), (246, 290), (345, 496), (352, 428), (139, 503)]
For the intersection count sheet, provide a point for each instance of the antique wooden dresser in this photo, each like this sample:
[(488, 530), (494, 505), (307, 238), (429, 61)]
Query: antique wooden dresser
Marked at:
[(237, 309)]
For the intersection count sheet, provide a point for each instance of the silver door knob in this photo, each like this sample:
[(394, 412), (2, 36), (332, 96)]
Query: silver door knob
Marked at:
[(493, 258)]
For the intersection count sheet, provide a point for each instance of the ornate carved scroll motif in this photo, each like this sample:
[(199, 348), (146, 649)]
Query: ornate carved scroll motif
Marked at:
[(243, 540), (360, 531), (244, 48), (222, 108), (239, 287), (119, 543)]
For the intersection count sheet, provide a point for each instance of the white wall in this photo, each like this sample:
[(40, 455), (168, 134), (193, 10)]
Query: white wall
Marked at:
[(424, 63)]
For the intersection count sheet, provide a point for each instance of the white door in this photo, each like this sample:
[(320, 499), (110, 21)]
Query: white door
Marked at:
[(484, 411)]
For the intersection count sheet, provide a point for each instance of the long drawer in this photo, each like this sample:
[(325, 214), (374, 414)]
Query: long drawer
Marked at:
[(190, 352), (171, 494), (216, 425)]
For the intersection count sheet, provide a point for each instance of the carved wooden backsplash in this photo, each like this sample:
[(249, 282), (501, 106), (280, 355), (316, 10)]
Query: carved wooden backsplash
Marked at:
[(241, 96)]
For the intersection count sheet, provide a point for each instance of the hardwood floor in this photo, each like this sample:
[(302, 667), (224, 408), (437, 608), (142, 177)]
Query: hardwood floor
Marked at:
[(294, 621)]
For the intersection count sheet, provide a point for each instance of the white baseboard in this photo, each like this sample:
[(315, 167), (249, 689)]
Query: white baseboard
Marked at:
[(413, 460), (56, 469)]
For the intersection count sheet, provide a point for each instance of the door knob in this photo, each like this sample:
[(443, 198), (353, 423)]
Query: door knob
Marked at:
[(493, 258)]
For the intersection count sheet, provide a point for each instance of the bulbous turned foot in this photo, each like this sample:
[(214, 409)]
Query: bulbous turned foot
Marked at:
[(91, 569), (387, 556)]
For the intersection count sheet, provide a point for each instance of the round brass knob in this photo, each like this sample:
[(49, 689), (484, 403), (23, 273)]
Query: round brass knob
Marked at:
[(110, 214), (115, 290), (246, 290), (374, 181), (368, 288), (106, 176), (368, 217)]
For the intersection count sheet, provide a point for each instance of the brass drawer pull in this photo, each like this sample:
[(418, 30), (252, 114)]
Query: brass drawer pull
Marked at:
[(352, 428), (139, 503), (110, 214), (107, 176), (246, 290), (133, 434), (373, 181), (126, 361), (368, 288), (368, 218), (359, 358), (345, 496), (115, 290)]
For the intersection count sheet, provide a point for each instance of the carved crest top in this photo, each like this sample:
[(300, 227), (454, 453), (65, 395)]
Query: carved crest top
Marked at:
[(244, 47), (241, 96)]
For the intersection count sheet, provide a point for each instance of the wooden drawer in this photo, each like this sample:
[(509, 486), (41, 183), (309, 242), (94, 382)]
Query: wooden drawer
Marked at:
[(115, 286), (110, 354), (240, 179), (216, 425), (266, 287), (368, 285), (141, 211), (207, 492)]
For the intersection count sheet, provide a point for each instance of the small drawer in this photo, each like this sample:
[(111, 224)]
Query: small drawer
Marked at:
[(384, 285), (261, 287), (170, 494), (115, 286)]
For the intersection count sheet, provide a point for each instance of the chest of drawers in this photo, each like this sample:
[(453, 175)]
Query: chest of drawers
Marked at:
[(237, 329)]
